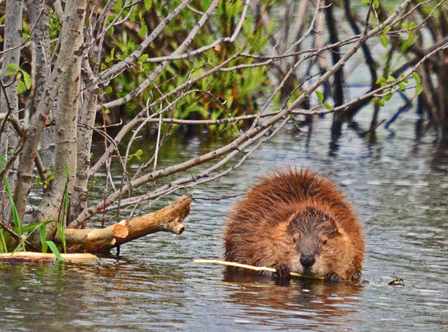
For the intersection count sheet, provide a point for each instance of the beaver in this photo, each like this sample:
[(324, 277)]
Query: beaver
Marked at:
[(295, 220)]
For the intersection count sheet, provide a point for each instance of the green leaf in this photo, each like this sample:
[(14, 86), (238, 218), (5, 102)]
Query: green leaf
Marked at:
[(381, 81), (386, 29), (10, 73), (380, 102), (328, 106), (390, 79), (143, 31), (407, 43), (55, 250), (416, 78), (148, 4), (388, 96), (365, 2), (376, 4), (138, 154), (109, 90), (384, 41), (320, 95), (26, 79), (13, 66), (133, 15), (143, 58), (402, 86), (21, 87), (418, 90)]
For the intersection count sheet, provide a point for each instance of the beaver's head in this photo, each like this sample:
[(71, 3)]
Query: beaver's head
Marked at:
[(320, 244)]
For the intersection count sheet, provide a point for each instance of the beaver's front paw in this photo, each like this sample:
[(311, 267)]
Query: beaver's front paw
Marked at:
[(282, 272), (332, 277)]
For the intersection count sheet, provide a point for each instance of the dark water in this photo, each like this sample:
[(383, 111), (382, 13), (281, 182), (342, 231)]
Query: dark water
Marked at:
[(399, 187)]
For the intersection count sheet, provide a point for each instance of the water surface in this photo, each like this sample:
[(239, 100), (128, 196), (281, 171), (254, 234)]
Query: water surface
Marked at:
[(399, 187)]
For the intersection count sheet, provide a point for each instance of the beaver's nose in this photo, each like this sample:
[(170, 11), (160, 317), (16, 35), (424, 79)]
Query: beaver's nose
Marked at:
[(307, 261)]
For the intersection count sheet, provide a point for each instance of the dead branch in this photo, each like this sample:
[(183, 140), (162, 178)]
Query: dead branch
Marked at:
[(168, 219)]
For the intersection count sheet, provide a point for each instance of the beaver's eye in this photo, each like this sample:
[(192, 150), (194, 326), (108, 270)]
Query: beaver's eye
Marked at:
[(324, 242), (335, 232)]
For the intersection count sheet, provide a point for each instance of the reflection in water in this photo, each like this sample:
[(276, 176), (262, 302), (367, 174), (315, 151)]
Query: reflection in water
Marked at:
[(398, 186), (299, 303)]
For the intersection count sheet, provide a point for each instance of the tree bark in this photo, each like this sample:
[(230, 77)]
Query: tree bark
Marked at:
[(66, 120), (9, 101), (87, 114), (168, 219), (39, 12), (71, 30)]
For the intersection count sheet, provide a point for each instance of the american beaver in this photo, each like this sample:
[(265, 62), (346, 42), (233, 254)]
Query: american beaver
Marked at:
[(296, 221)]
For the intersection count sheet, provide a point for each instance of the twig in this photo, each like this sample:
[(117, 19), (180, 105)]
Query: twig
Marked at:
[(250, 267)]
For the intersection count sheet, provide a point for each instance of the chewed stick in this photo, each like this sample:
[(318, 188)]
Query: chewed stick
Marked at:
[(248, 267)]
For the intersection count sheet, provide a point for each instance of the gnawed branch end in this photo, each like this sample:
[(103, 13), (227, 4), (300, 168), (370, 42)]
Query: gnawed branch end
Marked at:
[(168, 219)]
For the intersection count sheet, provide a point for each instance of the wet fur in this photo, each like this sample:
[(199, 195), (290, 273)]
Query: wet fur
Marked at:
[(292, 212)]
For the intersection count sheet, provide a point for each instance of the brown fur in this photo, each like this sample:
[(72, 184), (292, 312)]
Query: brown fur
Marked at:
[(294, 213)]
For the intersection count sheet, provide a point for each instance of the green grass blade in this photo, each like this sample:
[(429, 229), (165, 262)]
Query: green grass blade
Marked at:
[(43, 239), (32, 227), (64, 211), (55, 250), (3, 247), (15, 214)]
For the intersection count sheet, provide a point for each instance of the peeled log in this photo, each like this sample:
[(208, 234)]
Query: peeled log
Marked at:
[(38, 257), (168, 219)]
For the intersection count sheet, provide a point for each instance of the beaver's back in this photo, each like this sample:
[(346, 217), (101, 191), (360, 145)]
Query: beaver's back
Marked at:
[(249, 235)]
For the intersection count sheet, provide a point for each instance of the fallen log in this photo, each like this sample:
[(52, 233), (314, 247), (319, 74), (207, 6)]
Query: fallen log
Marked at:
[(168, 219), (93, 239)]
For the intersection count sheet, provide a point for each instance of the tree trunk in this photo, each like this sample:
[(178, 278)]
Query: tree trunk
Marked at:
[(66, 120), (443, 98), (9, 101), (87, 115), (39, 12), (71, 31)]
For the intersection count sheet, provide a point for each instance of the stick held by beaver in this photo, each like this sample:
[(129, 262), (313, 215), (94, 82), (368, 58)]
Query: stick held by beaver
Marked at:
[(296, 221)]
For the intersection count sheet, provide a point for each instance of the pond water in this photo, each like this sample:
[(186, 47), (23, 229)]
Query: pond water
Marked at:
[(399, 188)]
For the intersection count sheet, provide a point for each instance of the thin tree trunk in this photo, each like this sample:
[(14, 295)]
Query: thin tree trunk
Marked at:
[(39, 12), (71, 30), (86, 122), (338, 91), (66, 119), (9, 101)]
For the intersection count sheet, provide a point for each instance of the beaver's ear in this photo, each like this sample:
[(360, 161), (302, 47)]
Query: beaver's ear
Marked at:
[(330, 226), (292, 222)]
